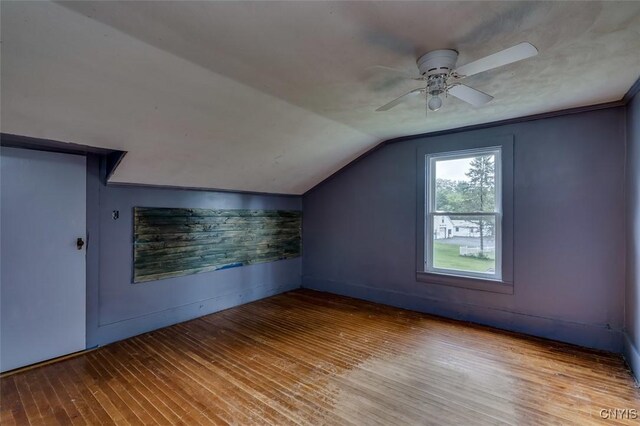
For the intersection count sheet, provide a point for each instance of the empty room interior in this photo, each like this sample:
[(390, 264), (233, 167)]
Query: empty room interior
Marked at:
[(320, 213)]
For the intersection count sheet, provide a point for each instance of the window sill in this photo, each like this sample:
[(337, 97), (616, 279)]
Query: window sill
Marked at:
[(470, 283)]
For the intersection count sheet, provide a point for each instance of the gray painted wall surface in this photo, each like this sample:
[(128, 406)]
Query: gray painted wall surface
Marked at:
[(117, 309), (359, 233), (632, 291)]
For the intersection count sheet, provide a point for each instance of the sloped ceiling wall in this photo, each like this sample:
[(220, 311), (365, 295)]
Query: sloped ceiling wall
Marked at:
[(276, 96)]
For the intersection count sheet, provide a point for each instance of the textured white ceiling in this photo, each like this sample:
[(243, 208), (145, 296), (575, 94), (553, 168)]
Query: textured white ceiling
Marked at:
[(276, 96)]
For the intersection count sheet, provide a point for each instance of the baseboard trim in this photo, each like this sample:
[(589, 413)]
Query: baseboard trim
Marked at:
[(586, 335), (267, 289), (632, 357), (43, 363), (124, 329)]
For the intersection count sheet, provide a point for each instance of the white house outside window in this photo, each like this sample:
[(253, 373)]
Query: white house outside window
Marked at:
[(464, 213)]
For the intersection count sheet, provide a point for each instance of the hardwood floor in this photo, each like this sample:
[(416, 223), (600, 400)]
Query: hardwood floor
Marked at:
[(313, 358)]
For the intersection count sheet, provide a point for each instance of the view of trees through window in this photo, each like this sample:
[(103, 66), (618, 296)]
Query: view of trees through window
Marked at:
[(464, 239)]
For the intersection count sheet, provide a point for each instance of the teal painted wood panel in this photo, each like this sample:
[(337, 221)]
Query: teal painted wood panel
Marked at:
[(172, 242)]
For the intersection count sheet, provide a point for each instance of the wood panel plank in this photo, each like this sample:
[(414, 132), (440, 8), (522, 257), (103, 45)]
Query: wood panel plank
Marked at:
[(172, 242), (14, 412)]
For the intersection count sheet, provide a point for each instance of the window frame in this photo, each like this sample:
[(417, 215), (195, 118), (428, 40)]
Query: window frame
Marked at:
[(481, 139), (431, 212)]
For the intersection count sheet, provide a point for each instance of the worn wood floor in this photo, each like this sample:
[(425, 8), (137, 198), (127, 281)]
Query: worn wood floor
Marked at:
[(313, 358)]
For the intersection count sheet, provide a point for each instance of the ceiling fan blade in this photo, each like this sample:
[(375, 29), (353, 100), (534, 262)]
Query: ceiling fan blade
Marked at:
[(399, 100), (469, 95), (395, 71), (513, 54)]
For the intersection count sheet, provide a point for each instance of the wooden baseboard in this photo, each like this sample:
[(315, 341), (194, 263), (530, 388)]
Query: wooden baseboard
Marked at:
[(43, 363)]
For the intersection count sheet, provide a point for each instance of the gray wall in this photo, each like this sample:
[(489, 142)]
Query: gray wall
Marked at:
[(632, 291), (359, 232), (117, 309)]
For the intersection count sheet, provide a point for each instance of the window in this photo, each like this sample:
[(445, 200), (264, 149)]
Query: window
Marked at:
[(447, 261), (464, 193)]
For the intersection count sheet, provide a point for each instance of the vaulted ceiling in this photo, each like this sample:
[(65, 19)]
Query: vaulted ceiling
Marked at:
[(276, 96)]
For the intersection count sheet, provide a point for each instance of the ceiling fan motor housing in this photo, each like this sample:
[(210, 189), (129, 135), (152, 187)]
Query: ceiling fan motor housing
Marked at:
[(437, 62)]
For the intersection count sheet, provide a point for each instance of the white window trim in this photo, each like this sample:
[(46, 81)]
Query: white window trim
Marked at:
[(430, 212)]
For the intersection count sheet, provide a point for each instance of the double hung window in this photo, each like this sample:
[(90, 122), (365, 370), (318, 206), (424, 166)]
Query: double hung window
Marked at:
[(464, 213)]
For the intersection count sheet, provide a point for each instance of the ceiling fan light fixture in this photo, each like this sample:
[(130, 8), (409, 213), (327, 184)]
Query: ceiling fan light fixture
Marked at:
[(435, 103), (437, 69)]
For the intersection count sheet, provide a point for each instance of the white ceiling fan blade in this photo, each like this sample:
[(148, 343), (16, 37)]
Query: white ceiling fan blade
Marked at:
[(399, 100), (469, 95), (395, 71), (513, 54)]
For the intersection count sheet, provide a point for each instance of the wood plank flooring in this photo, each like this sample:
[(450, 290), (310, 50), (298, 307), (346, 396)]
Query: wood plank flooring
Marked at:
[(312, 358)]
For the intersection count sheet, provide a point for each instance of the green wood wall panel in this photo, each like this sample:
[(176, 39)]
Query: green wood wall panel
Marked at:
[(170, 242)]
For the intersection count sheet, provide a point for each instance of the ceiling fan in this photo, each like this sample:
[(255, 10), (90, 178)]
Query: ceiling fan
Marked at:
[(437, 70)]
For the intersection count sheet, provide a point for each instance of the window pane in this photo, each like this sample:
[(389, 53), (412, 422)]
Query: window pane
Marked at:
[(466, 184), (464, 243)]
